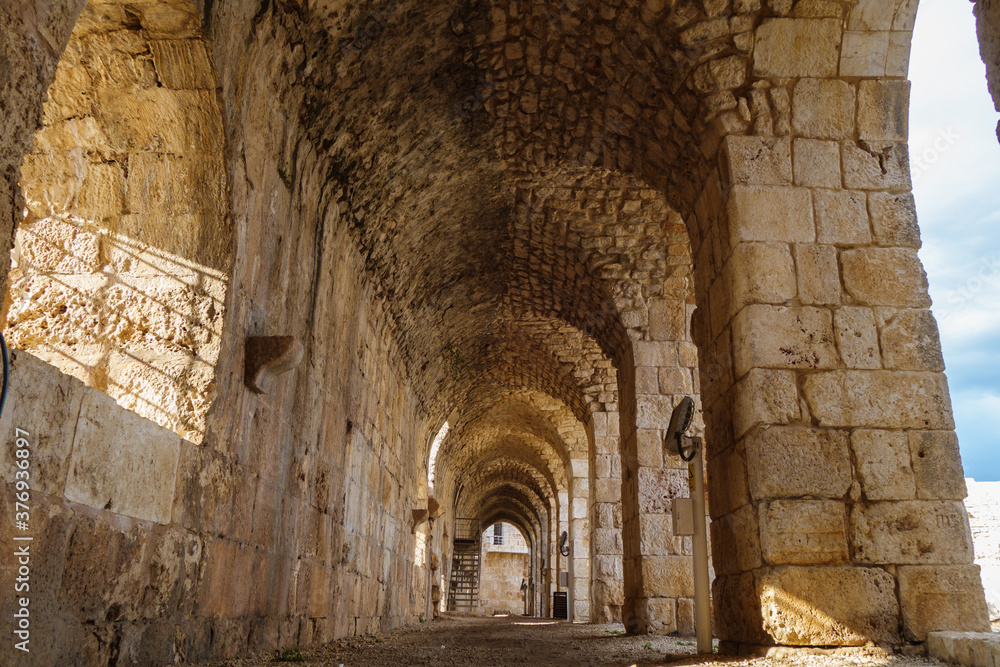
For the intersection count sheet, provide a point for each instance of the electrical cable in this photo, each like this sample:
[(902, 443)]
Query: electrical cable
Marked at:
[(6, 373)]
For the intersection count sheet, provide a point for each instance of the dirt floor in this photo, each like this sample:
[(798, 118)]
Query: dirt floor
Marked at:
[(480, 641)]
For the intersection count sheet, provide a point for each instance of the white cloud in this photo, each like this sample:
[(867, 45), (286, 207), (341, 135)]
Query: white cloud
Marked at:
[(956, 159)]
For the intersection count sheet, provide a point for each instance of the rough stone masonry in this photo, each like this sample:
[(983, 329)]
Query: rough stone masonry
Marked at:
[(509, 237)]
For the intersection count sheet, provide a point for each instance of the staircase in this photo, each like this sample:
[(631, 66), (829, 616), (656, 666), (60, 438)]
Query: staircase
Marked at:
[(463, 594)]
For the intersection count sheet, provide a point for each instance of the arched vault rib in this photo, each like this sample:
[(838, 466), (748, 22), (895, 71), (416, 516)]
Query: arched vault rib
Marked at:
[(509, 497), (502, 471)]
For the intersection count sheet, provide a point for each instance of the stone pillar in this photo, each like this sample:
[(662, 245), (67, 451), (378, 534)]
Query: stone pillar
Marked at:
[(562, 564), (834, 473), (658, 572), (580, 539), (607, 586)]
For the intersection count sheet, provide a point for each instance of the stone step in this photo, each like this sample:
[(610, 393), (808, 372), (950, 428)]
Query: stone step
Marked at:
[(972, 649)]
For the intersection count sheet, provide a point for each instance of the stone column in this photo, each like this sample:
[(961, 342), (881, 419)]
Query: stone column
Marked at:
[(658, 571), (607, 586), (580, 539), (834, 472)]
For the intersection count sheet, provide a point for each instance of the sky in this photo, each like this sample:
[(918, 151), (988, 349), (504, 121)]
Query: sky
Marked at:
[(955, 160)]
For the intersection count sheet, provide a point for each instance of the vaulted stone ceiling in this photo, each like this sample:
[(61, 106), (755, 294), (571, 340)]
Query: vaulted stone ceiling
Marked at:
[(503, 167)]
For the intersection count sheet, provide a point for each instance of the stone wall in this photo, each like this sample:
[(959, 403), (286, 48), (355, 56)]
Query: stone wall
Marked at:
[(988, 27), (121, 265), (479, 209), (983, 505), (180, 532), (500, 582)]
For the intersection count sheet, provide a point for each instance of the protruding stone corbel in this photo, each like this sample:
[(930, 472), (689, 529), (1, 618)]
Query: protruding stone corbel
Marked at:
[(434, 508), (268, 356), (435, 561), (419, 516)]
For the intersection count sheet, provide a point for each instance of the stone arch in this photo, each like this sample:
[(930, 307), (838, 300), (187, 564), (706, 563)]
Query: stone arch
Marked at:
[(811, 295), (120, 266)]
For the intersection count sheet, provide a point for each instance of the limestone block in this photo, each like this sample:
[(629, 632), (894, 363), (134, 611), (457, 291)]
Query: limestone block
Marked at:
[(761, 273), (656, 536), (818, 9), (884, 464), (60, 245), (71, 134), (770, 213), (915, 532), (780, 337), (864, 53), (183, 63), (829, 606), (875, 165), (675, 381), (607, 490), (736, 541), (841, 217), (163, 120), (608, 541), (727, 482), (685, 617), (657, 354), (797, 47), (764, 396), (720, 74), (819, 277), (894, 219), (668, 576), (170, 21), (803, 532), (736, 607), (871, 15), (897, 60), (172, 184), (823, 108), (658, 486), (883, 107), (942, 598), (46, 403), (71, 184), (817, 163), (658, 615), (667, 319), (885, 277), (102, 568), (976, 649), (880, 399), (857, 337), (758, 160), (937, 465), (785, 461), (122, 462), (910, 342)]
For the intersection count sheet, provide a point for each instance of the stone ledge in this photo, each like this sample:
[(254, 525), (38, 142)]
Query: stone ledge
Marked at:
[(974, 649)]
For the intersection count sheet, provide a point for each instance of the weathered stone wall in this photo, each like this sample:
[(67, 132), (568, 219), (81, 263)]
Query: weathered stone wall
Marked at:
[(834, 472), (988, 27), (500, 582), (305, 491), (120, 267), (983, 505), (469, 208)]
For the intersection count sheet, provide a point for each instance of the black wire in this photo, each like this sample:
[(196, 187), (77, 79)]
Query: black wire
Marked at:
[(680, 450), (6, 373)]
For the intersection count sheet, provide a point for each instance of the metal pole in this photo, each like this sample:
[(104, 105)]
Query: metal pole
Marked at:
[(702, 608)]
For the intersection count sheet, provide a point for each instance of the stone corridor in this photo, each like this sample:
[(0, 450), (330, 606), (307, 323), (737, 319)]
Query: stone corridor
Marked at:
[(304, 295), (460, 641)]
